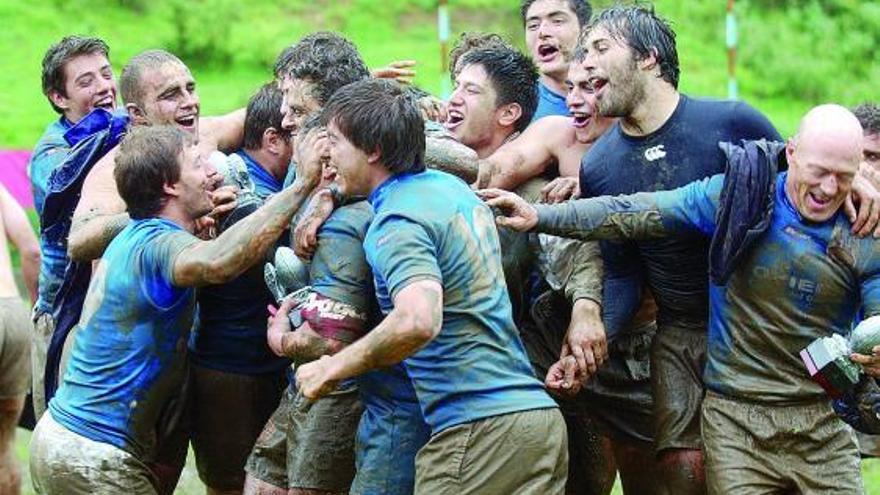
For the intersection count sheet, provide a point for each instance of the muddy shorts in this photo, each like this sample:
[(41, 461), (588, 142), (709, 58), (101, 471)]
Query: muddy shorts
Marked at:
[(620, 393), (678, 358), (228, 412), (518, 453), (756, 449), (309, 444), (65, 463), (869, 445), (15, 348)]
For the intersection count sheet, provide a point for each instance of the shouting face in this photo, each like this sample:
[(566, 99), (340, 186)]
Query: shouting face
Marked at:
[(614, 74), (551, 35), (88, 84), (169, 97), (581, 101)]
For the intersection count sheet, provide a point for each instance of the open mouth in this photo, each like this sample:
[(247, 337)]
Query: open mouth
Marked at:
[(107, 103), (819, 202), (580, 120), (454, 119), (546, 52), (597, 83), (187, 122)]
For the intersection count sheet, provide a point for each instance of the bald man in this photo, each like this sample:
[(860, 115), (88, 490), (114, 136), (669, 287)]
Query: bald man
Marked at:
[(785, 269)]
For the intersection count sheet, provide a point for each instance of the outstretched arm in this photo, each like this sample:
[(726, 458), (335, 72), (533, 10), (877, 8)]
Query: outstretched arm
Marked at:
[(415, 320), (19, 231), (635, 216), (242, 245), (525, 157)]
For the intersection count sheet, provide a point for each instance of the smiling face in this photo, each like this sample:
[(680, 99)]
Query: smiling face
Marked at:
[(349, 162), (169, 97), (472, 108), (197, 179), (88, 84), (551, 36), (581, 100), (614, 74), (820, 176)]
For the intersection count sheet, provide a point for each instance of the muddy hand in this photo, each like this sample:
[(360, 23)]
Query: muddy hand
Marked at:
[(399, 70), (515, 212), (585, 338), (871, 364), (432, 109), (305, 234), (563, 377), (310, 152), (224, 199), (560, 189), (862, 204), (313, 378), (279, 326)]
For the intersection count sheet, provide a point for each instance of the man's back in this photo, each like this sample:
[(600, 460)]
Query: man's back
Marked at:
[(683, 150), (430, 225)]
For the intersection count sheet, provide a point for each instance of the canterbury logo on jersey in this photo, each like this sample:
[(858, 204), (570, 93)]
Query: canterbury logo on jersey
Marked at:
[(655, 153)]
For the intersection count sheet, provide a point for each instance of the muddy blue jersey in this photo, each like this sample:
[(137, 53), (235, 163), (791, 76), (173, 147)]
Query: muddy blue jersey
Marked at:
[(391, 429), (231, 332), (430, 225), (801, 280), (684, 149), (129, 352)]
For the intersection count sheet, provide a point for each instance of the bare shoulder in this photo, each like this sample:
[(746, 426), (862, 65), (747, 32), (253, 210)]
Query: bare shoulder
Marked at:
[(99, 188)]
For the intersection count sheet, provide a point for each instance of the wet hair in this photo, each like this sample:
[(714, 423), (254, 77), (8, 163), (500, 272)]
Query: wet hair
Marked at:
[(513, 76), (868, 114), (284, 61), (380, 115), (468, 41), (581, 8), (326, 60), (645, 32), (148, 159), (133, 73), (263, 112), (59, 54)]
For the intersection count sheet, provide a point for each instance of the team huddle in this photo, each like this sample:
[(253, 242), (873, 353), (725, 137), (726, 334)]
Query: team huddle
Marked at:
[(568, 272)]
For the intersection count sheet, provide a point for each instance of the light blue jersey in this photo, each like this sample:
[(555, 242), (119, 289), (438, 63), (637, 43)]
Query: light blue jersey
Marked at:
[(430, 225), (128, 357)]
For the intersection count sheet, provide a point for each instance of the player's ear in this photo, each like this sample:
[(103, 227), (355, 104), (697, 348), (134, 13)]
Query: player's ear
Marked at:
[(510, 114)]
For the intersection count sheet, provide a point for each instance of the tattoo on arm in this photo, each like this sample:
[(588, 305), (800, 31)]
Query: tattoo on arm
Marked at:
[(92, 232)]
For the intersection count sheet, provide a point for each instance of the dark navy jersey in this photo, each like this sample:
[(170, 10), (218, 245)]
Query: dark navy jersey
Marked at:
[(683, 150)]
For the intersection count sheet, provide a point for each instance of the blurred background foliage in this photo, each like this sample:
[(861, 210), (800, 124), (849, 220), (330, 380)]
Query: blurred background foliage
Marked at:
[(792, 53)]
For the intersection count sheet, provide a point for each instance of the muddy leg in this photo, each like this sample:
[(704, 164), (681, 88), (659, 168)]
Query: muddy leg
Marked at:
[(682, 471)]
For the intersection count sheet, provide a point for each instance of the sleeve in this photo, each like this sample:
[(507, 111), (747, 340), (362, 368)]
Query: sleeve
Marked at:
[(339, 268), (46, 158), (635, 216), (403, 252), (587, 274), (157, 267)]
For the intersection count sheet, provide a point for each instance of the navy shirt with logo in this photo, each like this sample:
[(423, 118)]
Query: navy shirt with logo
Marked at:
[(682, 150)]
